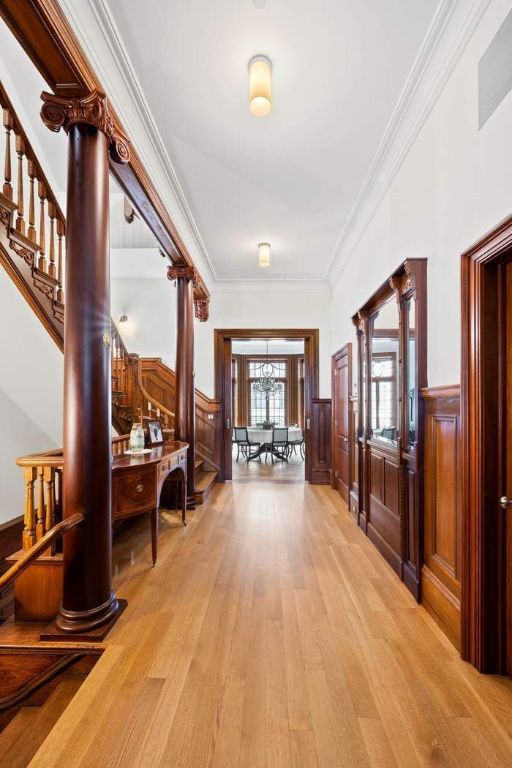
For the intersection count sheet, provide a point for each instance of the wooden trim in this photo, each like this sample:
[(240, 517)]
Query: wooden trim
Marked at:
[(484, 533), (344, 352), (444, 390), (442, 541), (46, 36), (223, 348), (10, 541), (321, 462)]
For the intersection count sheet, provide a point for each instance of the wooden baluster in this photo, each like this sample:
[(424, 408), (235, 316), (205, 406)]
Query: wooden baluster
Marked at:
[(29, 530), (49, 482), (40, 504), (42, 231), (7, 188), (51, 214), (60, 257), (32, 203), (20, 221)]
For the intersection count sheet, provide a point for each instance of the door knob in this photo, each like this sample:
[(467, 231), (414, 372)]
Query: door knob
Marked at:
[(505, 502)]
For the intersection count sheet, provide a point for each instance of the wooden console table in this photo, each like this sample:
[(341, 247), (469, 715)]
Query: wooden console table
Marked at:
[(137, 482)]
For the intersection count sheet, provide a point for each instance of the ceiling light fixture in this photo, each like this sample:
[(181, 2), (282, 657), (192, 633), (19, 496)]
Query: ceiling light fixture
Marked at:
[(260, 85), (264, 254)]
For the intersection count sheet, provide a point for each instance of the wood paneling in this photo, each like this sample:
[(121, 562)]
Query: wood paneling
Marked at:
[(387, 487), (10, 541), (160, 382), (342, 427), (486, 549), (321, 418), (441, 572)]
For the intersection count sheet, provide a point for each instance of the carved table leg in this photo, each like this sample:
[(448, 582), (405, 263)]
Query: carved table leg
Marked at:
[(154, 534)]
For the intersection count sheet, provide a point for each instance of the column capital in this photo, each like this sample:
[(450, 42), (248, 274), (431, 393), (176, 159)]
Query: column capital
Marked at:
[(202, 309), (183, 272), (93, 109)]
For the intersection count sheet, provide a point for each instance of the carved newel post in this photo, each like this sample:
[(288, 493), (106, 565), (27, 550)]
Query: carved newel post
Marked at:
[(186, 280), (88, 600)]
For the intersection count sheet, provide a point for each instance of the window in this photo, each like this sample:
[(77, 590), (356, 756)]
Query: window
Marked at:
[(273, 408)]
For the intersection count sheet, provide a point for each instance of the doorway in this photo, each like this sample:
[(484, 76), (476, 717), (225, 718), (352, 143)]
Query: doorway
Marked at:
[(486, 395), (235, 407)]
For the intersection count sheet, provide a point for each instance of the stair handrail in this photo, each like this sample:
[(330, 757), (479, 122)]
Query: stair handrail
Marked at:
[(44, 543), (44, 210), (146, 394)]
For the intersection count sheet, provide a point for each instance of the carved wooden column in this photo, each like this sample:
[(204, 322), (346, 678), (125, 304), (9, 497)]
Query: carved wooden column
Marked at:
[(88, 599), (186, 280)]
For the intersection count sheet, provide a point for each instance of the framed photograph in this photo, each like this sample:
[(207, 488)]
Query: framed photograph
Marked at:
[(155, 433)]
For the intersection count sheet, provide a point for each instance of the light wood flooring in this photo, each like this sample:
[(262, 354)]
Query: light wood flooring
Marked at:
[(272, 633)]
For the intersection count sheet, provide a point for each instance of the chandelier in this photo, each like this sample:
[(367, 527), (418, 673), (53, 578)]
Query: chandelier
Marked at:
[(266, 383)]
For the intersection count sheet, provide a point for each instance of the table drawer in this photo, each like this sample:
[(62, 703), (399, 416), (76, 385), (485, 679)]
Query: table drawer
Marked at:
[(133, 492)]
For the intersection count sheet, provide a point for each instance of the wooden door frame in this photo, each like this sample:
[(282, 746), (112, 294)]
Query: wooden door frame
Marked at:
[(222, 342), (345, 351), (484, 531)]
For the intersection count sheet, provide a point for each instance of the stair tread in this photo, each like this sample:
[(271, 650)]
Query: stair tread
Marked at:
[(198, 463), (25, 634), (204, 480)]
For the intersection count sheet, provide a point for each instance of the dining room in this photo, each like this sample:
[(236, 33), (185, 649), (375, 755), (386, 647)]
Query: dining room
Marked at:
[(267, 395)]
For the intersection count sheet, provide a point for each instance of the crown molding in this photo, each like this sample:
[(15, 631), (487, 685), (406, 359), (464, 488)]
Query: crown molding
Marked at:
[(449, 33), (101, 40)]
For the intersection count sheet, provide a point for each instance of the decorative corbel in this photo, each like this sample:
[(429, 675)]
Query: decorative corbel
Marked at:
[(202, 308), (183, 272)]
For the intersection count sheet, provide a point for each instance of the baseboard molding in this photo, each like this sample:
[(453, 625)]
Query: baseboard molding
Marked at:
[(442, 605)]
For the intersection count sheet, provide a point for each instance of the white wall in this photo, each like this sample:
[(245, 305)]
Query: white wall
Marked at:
[(30, 395), (454, 185), (151, 328), (150, 305), (264, 308)]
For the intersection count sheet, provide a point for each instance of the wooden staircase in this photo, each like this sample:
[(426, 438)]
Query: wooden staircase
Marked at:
[(33, 250)]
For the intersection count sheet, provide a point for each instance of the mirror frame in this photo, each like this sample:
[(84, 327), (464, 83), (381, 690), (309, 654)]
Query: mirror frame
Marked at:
[(408, 281)]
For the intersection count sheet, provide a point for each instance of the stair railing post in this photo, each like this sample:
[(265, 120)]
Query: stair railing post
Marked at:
[(186, 279), (89, 601)]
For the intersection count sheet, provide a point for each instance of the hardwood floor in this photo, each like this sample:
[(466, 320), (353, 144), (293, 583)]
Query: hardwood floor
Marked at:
[(272, 633)]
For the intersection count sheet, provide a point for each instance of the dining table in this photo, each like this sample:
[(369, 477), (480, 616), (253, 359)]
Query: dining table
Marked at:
[(263, 437)]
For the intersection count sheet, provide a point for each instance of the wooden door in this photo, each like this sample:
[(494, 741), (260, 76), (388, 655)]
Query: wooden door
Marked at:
[(506, 500), (341, 427)]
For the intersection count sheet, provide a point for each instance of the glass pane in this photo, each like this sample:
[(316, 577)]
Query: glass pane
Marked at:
[(411, 369), (383, 373)]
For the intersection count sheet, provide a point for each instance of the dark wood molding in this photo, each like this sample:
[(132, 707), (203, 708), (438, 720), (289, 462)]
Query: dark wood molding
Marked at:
[(442, 542), (390, 476), (483, 408), (10, 541), (342, 429), (45, 34), (321, 462), (223, 380)]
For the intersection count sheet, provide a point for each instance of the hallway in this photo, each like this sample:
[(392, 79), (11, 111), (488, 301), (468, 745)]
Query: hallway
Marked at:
[(272, 633)]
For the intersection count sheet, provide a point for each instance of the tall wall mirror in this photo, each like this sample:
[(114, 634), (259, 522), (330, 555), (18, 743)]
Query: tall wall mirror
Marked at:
[(392, 343), (385, 355)]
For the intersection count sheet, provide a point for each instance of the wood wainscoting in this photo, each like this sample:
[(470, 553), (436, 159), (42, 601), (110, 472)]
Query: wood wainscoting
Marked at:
[(442, 532), (321, 462), (10, 541)]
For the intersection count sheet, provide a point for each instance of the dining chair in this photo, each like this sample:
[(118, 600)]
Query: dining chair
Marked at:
[(243, 443), (294, 444), (279, 446)]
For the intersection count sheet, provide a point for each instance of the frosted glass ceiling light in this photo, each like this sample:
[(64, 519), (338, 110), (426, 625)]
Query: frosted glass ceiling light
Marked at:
[(264, 255), (260, 85)]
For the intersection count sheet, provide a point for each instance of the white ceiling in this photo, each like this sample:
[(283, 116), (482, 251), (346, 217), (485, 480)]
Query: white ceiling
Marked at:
[(291, 178)]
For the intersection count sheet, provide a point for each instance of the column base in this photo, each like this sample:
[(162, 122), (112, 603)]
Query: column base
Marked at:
[(191, 502), (85, 626)]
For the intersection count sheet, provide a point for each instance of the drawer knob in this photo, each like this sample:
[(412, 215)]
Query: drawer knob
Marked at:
[(140, 488)]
